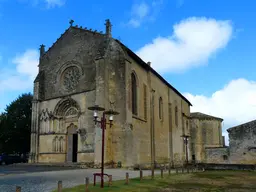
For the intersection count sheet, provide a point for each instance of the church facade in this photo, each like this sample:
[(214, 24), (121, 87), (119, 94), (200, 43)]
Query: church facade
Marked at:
[(84, 68)]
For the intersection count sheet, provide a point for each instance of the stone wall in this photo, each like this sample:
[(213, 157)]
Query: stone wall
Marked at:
[(213, 166), (242, 143), (156, 134), (217, 155), (50, 129), (205, 132)]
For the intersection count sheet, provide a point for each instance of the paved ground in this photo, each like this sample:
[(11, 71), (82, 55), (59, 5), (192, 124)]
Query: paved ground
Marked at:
[(35, 181), (13, 169)]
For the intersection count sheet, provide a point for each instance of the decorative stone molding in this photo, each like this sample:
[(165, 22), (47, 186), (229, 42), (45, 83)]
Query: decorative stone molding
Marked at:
[(67, 106), (86, 151), (71, 112), (68, 75), (53, 153), (58, 144), (46, 115), (46, 119), (70, 78)]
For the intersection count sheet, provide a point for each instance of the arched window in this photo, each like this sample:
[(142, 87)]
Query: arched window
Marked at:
[(176, 116), (54, 144), (61, 144), (134, 94), (145, 101), (160, 108)]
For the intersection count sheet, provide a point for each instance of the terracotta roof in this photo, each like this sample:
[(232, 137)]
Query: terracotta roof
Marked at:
[(203, 116)]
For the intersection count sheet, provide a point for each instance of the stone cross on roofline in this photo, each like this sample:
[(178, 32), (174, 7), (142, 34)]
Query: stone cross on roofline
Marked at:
[(108, 28), (42, 50), (71, 22)]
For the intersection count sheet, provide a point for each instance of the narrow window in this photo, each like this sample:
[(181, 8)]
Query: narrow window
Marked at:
[(225, 157), (145, 101), (54, 144), (134, 94), (170, 116), (160, 108), (176, 116), (61, 144)]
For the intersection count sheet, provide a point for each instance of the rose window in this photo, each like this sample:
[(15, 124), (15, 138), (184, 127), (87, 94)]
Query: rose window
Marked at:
[(70, 78)]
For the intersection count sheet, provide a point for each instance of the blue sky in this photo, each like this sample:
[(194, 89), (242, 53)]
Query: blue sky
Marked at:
[(205, 48)]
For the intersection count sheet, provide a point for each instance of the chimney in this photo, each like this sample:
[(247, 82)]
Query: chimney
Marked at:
[(42, 50), (149, 63), (108, 28)]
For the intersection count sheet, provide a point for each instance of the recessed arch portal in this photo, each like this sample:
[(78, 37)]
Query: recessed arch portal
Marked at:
[(67, 107)]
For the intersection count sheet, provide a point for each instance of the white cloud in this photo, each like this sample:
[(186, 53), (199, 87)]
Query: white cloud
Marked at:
[(49, 3), (24, 74), (144, 12), (138, 13), (193, 42), (55, 3), (15, 83), (235, 103), (27, 63)]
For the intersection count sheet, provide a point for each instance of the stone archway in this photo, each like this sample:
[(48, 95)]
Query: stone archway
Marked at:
[(67, 107), (67, 111)]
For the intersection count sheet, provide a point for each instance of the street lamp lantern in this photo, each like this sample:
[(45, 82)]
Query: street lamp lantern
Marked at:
[(103, 123), (185, 138), (95, 114), (96, 109), (111, 118), (111, 114)]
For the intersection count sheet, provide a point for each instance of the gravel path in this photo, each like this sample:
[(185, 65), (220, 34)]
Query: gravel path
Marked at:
[(47, 181)]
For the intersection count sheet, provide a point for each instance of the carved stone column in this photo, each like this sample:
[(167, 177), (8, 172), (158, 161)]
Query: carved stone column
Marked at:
[(34, 143), (33, 135)]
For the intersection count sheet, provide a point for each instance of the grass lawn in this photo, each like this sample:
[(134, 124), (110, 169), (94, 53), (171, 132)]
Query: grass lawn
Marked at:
[(216, 181)]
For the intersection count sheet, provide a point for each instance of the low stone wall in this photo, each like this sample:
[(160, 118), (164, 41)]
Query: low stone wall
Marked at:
[(212, 166), (217, 155)]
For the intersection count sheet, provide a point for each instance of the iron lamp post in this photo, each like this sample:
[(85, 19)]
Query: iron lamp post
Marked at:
[(185, 139), (103, 122)]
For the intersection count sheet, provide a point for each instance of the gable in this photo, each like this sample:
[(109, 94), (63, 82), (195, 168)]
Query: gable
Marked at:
[(73, 55)]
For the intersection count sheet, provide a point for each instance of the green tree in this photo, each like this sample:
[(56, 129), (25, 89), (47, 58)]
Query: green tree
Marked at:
[(15, 125), (3, 122)]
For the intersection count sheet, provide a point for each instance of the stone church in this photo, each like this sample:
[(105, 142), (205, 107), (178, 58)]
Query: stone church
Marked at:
[(84, 68), (207, 145)]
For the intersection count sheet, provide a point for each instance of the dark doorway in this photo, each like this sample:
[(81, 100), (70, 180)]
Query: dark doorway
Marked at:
[(74, 151)]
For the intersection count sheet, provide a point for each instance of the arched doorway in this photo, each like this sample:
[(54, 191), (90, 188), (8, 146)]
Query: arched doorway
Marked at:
[(67, 111), (72, 143)]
